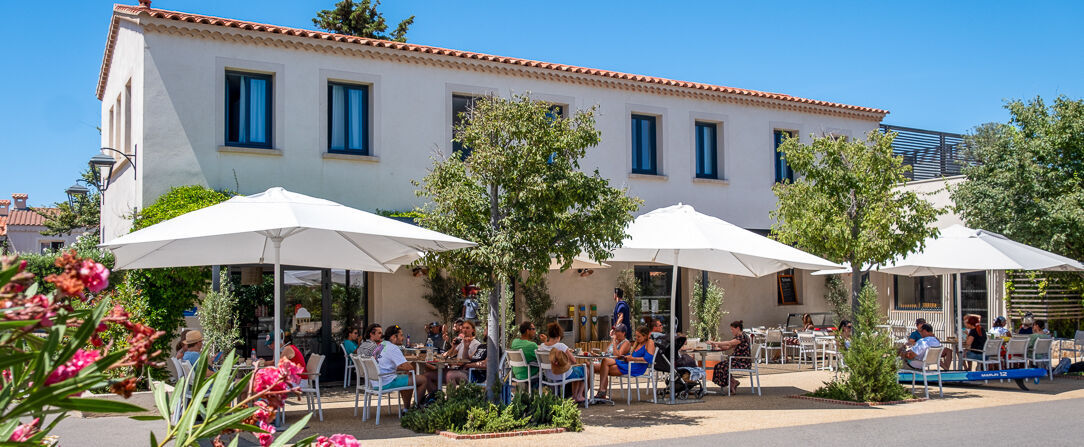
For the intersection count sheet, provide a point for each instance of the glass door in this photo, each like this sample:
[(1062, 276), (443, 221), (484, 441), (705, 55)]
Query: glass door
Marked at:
[(655, 285)]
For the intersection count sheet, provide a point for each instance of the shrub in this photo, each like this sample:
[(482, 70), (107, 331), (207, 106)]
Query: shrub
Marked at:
[(708, 310), (536, 294), (465, 410), (626, 281), (838, 299), (218, 318)]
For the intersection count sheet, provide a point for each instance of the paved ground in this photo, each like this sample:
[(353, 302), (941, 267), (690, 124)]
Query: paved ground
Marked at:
[(1049, 413)]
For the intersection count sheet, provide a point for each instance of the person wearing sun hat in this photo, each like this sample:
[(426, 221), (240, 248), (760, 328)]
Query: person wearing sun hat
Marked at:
[(193, 347)]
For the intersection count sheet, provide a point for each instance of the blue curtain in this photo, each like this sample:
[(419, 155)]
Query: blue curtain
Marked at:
[(338, 117), (356, 124), (257, 108)]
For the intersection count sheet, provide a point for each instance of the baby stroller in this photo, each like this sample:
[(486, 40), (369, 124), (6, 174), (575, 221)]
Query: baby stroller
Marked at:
[(688, 378)]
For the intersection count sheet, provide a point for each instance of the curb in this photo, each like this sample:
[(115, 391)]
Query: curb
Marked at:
[(858, 404), (507, 434)]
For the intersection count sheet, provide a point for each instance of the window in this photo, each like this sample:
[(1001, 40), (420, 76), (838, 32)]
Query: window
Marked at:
[(655, 285), (128, 117), (786, 288), (782, 169), (348, 118), (918, 292), (248, 110), (51, 246), (461, 104), (707, 156), (110, 131), (643, 145)]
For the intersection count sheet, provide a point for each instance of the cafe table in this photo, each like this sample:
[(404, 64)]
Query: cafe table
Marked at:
[(440, 364), (589, 360)]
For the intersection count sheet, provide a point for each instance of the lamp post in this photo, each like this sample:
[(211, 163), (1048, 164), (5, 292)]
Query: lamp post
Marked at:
[(102, 165)]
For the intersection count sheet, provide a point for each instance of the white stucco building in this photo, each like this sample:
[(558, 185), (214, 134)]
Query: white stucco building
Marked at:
[(244, 106), (21, 228)]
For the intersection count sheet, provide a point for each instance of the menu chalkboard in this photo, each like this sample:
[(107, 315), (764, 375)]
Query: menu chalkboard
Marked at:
[(787, 294)]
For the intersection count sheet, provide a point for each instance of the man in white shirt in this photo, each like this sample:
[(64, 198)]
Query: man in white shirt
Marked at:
[(913, 356), (394, 367)]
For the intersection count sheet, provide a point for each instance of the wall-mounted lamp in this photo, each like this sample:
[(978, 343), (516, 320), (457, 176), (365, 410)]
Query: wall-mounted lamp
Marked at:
[(585, 272), (102, 165), (419, 271)]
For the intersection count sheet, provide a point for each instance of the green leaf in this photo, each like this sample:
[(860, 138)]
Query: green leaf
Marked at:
[(91, 405), (14, 358), (222, 381), (8, 273), (162, 402), (282, 439), (236, 438), (154, 440), (232, 420), (16, 324), (145, 417), (306, 442)]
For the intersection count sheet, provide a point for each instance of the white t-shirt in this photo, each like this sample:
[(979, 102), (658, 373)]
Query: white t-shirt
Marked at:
[(998, 331), (920, 349), (390, 358), (556, 347), (471, 348)]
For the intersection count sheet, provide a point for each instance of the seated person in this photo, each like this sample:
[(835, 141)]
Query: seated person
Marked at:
[(451, 337), (372, 345), (554, 346), (807, 325), (351, 342), (999, 330), (1038, 331), (394, 368), (193, 348), (916, 335), (912, 357), (607, 367), (740, 345), (435, 335), (1027, 327), (465, 348), (635, 363), (525, 343), (290, 352), (976, 339), (845, 332)]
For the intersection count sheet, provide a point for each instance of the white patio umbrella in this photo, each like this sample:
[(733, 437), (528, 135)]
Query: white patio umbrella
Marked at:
[(285, 228), (680, 236), (959, 249)]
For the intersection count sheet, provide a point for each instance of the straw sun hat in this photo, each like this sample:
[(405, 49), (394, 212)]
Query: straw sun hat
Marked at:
[(193, 337)]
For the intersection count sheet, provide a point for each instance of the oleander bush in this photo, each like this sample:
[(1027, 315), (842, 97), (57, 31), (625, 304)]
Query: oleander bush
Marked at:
[(465, 410)]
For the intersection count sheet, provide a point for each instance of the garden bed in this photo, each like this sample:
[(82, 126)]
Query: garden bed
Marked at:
[(465, 414), (507, 434), (857, 404)]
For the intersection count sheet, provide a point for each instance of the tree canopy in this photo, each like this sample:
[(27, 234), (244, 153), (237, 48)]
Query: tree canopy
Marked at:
[(360, 19), (1028, 179), (844, 204), (64, 220), (521, 196)]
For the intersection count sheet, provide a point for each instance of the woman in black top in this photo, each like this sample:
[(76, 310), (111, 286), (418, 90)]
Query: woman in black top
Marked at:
[(976, 338)]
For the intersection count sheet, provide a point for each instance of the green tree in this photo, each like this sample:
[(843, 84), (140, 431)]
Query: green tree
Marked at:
[(445, 293), (630, 287), (536, 296), (521, 196), (63, 220), (1028, 179), (218, 318), (835, 294), (171, 291), (708, 309), (360, 19), (844, 204), (871, 361)]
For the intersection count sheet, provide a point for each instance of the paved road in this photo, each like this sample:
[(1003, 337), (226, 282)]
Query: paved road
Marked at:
[(1055, 423)]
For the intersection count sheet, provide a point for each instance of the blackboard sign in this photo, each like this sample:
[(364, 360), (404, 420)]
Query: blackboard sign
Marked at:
[(787, 294)]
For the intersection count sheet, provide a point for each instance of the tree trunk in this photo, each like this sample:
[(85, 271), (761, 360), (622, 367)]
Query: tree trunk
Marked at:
[(493, 353), (520, 300), (856, 287)]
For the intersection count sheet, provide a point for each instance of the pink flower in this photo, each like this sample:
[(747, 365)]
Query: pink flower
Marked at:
[(266, 438), (291, 371), (268, 379), (68, 370), (94, 275), (339, 440), (264, 414), (23, 432)]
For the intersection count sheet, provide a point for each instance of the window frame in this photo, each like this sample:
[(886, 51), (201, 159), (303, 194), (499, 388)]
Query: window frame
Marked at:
[(270, 125), (366, 109), (920, 289), (779, 289), (778, 157), (714, 141), (463, 150), (637, 152)]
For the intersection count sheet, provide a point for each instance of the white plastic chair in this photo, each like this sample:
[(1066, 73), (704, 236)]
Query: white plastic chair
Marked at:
[(184, 371), (1042, 353), (348, 365), (931, 365), (1078, 346), (1016, 352), (545, 366), (991, 354), (807, 348), (310, 386), (366, 366), (753, 370), (516, 359), (830, 357), (773, 341)]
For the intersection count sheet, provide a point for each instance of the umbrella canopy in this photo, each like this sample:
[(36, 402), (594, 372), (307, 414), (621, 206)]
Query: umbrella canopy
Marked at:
[(708, 243), (280, 227), (680, 236)]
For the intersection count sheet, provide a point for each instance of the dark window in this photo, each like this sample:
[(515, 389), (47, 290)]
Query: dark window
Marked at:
[(917, 292), (348, 118), (707, 161), (248, 109), (655, 283), (643, 145), (52, 246), (460, 105), (782, 169), (556, 111)]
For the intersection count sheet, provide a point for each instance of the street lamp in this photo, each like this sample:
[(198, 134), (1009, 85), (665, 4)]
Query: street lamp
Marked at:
[(76, 194), (102, 165)]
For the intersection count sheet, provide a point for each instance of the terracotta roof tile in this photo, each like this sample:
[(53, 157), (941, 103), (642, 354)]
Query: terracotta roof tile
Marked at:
[(239, 24), (5, 202), (19, 196), (3, 225), (28, 217)]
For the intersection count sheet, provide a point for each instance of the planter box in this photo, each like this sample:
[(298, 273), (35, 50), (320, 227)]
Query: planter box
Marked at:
[(858, 404), (507, 434)]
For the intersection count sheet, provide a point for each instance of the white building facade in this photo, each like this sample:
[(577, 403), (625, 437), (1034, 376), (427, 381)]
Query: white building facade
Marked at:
[(242, 106)]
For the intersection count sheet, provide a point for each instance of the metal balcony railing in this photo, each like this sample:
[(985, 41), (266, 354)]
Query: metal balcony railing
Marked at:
[(931, 154)]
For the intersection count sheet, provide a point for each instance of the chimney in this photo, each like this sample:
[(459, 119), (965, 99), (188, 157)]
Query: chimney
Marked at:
[(4, 207), (20, 201)]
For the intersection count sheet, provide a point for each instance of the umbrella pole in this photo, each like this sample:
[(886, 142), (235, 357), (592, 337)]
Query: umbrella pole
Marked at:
[(673, 322), (277, 242), (959, 323)]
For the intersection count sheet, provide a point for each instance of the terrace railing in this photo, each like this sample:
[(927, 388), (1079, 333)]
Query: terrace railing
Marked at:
[(931, 154)]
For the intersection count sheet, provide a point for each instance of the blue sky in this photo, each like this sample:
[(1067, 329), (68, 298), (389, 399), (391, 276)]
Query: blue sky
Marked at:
[(936, 65)]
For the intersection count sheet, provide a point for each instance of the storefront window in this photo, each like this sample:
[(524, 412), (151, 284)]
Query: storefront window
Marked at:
[(917, 292), (655, 284)]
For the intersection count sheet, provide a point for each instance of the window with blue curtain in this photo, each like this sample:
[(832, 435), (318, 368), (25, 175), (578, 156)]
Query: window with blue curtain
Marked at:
[(707, 156), (348, 118), (248, 109), (782, 169), (461, 104), (643, 145)]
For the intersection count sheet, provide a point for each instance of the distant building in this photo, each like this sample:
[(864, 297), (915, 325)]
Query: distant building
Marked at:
[(21, 227)]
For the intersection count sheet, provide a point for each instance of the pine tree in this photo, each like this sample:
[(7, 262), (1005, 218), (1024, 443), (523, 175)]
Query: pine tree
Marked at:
[(360, 19), (871, 360)]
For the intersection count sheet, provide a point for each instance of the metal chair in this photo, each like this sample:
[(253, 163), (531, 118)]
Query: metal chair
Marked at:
[(1016, 352), (807, 348), (516, 359), (543, 381), (753, 370), (991, 354), (348, 365), (310, 386), (183, 386), (931, 365), (1042, 353), (773, 341), (371, 386), (1078, 346)]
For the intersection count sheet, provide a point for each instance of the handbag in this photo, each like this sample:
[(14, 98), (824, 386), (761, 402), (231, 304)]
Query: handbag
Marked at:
[(559, 363)]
